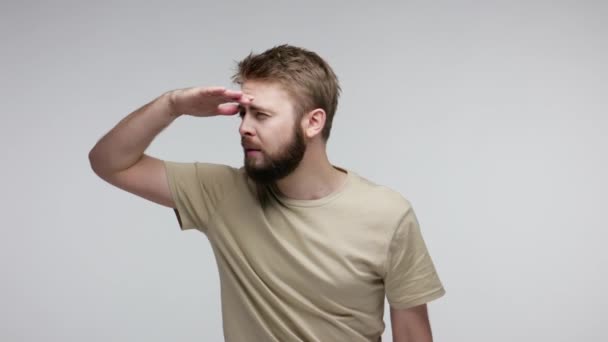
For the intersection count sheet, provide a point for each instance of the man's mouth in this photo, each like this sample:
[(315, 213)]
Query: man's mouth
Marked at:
[(249, 152), (250, 148)]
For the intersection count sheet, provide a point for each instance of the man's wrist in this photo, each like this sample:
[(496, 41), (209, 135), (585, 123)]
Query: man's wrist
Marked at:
[(168, 101)]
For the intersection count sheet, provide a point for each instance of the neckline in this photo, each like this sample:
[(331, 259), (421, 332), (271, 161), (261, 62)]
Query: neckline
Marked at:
[(315, 202)]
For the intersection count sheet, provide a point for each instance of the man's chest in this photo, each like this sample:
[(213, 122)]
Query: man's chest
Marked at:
[(329, 258)]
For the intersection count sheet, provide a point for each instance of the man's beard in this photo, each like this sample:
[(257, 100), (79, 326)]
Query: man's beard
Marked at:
[(279, 166)]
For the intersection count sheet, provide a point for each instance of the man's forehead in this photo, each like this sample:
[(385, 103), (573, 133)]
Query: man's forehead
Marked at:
[(267, 95)]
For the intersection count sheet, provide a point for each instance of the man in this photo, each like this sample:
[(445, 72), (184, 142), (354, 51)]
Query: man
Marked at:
[(306, 250)]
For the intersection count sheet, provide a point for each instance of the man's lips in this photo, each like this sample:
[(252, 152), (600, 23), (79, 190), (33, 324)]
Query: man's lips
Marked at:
[(250, 147), (250, 151)]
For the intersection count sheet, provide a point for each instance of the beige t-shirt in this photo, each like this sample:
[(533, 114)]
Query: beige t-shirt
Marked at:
[(305, 270)]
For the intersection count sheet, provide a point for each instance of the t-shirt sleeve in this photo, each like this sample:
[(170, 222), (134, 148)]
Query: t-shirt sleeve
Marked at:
[(410, 278), (197, 190)]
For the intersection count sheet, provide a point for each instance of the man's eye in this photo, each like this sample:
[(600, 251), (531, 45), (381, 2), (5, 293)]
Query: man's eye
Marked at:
[(258, 115)]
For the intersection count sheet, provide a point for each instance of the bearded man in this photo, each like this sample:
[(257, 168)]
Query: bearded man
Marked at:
[(306, 250)]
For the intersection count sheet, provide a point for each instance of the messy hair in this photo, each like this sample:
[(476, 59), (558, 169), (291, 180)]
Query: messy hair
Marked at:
[(306, 77)]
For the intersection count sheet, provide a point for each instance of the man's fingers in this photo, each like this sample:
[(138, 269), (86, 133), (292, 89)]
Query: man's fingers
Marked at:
[(212, 90), (228, 108), (233, 93), (237, 95)]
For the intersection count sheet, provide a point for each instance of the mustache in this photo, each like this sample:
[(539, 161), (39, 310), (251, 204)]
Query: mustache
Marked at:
[(249, 144)]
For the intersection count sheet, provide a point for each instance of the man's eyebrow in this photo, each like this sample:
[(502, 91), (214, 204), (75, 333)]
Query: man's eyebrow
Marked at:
[(256, 108)]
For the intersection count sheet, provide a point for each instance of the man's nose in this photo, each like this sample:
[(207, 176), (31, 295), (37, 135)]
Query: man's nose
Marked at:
[(246, 128)]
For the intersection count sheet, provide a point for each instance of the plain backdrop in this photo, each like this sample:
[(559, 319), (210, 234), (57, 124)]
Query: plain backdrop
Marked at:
[(490, 117)]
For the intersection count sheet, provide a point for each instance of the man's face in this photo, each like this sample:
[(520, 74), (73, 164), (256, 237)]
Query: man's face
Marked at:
[(271, 135)]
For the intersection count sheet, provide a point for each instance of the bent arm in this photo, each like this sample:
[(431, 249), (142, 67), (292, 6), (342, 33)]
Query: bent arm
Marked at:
[(118, 157)]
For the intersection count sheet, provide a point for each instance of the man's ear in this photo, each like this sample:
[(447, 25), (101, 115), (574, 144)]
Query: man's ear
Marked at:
[(313, 122)]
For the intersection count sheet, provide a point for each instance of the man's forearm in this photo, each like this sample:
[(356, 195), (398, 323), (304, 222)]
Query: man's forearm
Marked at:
[(125, 144), (411, 325)]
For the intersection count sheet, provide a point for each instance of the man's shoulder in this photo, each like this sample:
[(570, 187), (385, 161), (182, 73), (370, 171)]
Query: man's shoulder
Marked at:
[(204, 172), (210, 166), (380, 195)]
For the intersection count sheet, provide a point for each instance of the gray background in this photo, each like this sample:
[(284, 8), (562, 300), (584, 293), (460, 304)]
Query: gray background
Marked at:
[(491, 117)]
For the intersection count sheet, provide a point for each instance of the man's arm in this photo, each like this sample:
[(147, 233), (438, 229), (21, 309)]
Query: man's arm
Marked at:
[(118, 157), (411, 325)]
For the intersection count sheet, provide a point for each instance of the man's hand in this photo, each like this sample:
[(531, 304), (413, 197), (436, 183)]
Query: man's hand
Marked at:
[(207, 101), (118, 157)]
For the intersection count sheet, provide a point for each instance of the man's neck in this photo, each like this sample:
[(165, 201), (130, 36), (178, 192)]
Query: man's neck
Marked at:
[(313, 179)]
